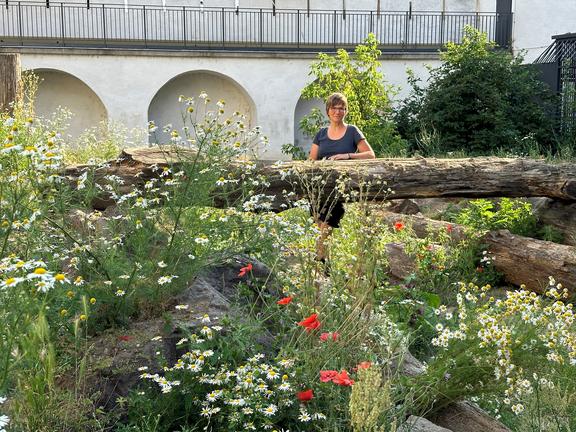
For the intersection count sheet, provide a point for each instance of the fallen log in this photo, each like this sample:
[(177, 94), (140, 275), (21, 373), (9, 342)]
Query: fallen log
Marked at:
[(407, 178), (528, 261), (521, 260), (558, 214)]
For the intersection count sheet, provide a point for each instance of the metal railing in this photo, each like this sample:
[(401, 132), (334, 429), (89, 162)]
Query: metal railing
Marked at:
[(153, 27)]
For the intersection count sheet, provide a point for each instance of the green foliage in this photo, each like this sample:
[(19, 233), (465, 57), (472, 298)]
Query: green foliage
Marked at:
[(480, 100), (514, 215), (360, 79), (102, 143), (295, 152)]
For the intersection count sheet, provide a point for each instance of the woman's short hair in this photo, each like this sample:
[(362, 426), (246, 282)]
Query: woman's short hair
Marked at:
[(336, 99)]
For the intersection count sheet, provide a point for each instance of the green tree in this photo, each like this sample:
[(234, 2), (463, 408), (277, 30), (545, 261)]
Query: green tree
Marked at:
[(480, 100), (357, 76)]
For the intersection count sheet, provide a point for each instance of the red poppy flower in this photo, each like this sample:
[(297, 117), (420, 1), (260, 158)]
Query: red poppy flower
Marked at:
[(327, 375), (310, 323), (364, 365), (343, 379), (245, 270), (480, 269), (325, 336), (124, 338), (305, 396), (398, 226), (284, 301), (449, 228)]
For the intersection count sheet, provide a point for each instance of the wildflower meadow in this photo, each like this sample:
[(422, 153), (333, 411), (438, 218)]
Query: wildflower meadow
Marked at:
[(108, 321)]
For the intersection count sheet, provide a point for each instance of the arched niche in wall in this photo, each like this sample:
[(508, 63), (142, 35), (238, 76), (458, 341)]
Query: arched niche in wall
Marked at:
[(56, 89), (165, 108), (303, 108)]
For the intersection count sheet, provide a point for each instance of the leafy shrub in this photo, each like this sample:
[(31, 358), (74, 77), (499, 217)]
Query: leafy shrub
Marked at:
[(480, 100), (359, 78), (511, 214)]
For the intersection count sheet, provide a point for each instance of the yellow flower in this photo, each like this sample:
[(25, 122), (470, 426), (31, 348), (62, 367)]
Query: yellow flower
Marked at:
[(40, 271), (63, 312), (92, 300), (70, 294), (60, 277), (83, 317)]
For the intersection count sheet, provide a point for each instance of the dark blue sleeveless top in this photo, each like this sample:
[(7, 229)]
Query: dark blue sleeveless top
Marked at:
[(347, 144)]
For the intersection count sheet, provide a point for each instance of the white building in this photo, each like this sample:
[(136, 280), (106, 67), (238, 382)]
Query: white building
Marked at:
[(128, 62)]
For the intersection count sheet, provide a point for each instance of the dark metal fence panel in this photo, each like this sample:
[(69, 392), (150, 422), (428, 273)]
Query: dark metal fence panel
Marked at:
[(558, 66), (229, 28)]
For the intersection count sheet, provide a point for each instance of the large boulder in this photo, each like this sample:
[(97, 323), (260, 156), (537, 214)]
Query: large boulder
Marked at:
[(116, 356)]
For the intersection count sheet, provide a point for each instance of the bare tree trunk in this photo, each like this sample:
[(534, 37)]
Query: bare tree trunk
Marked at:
[(9, 80)]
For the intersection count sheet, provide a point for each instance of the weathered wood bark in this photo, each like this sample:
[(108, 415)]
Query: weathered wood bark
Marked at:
[(521, 260), (473, 177), (558, 214), (425, 178), (467, 417), (9, 80), (528, 261)]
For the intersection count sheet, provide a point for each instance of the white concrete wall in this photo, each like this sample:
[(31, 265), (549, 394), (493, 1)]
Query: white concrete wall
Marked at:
[(536, 21), (60, 89), (132, 83), (165, 108)]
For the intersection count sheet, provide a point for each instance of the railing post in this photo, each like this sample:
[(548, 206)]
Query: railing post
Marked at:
[(6, 4), (184, 25), (334, 36), (144, 23), (20, 33), (298, 28), (62, 34), (371, 23), (223, 33), (442, 19), (261, 29), (406, 30), (104, 27)]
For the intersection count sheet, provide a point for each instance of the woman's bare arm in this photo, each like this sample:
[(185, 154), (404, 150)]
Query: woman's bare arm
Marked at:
[(314, 152)]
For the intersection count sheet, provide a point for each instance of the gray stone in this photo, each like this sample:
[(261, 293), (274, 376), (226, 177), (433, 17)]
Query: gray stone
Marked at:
[(116, 355), (404, 206), (467, 417), (420, 424)]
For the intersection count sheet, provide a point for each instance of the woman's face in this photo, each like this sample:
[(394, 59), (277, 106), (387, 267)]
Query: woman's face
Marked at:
[(337, 113)]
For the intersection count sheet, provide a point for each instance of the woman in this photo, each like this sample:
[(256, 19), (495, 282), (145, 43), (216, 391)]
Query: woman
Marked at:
[(338, 141)]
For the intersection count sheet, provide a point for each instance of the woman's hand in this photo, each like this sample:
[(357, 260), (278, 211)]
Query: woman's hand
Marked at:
[(344, 156)]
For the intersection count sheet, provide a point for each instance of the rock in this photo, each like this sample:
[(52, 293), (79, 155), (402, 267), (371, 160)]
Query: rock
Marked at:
[(420, 424), (91, 222), (434, 207), (411, 366), (467, 417), (400, 264), (404, 206), (115, 356)]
